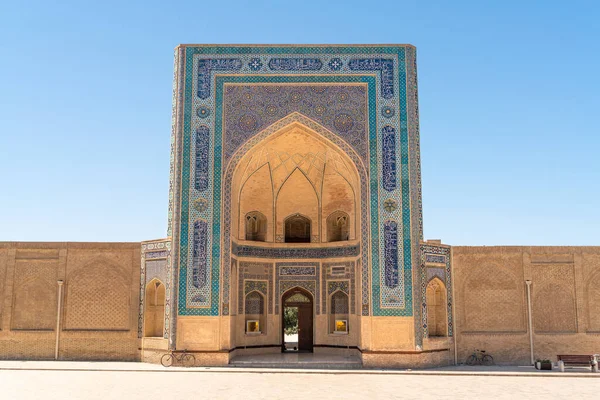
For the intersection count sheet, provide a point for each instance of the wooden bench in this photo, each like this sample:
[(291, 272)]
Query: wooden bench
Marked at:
[(587, 360)]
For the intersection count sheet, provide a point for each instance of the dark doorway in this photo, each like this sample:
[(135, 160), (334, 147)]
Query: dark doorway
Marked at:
[(297, 308), (297, 229)]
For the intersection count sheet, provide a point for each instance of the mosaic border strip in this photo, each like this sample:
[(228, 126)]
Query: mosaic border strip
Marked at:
[(432, 250), (150, 251)]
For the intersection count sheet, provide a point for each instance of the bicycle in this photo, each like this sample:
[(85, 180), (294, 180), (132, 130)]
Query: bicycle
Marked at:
[(186, 359), (479, 357)]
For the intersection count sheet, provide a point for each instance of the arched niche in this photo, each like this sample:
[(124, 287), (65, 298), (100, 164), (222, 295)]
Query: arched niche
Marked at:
[(437, 318), (254, 310), (338, 226), (297, 229), (255, 226), (303, 171), (154, 309), (339, 312)]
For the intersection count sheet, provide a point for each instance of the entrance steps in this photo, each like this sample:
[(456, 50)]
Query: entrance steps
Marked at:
[(297, 360)]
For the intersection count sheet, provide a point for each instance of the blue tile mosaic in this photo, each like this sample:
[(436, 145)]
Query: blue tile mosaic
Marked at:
[(295, 252), (391, 253), (295, 64), (207, 66), (385, 66), (389, 158), (199, 67), (199, 263), (202, 169)]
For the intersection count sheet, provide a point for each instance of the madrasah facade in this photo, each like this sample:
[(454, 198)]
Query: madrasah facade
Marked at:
[(295, 183)]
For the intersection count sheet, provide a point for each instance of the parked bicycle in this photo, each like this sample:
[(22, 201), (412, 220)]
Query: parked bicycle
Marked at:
[(183, 357), (480, 358)]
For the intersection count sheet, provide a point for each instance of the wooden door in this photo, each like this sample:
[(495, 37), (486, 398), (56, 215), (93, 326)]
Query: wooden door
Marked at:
[(305, 327)]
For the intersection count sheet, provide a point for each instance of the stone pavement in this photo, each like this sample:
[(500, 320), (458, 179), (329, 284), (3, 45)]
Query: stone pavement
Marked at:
[(89, 380)]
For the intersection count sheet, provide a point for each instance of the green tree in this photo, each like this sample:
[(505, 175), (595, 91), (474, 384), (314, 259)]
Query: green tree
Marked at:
[(290, 320)]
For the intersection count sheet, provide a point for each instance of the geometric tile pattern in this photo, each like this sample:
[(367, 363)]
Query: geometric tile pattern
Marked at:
[(201, 123), (255, 276), (254, 303), (338, 274), (333, 286), (259, 286), (339, 303)]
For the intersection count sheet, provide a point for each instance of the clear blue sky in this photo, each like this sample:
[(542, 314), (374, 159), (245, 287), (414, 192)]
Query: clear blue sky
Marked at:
[(509, 102)]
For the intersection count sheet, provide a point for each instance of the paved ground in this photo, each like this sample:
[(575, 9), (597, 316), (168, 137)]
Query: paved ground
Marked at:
[(67, 380)]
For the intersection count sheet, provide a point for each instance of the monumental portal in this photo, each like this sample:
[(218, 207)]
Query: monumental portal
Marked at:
[(295, 182)]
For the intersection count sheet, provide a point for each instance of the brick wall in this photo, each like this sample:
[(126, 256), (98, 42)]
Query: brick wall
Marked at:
[(491, 301), (100, 297)]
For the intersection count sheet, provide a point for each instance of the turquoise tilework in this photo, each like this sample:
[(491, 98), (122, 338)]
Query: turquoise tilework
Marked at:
[(375, 121)]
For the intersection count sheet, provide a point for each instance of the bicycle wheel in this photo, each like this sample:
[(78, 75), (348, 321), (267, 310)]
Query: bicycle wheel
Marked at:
[(488, 360), (471, 360), (167, 360), (188, 360)]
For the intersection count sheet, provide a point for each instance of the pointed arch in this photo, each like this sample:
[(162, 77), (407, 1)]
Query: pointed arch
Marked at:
[(339, 312), (290, 293), (297, 229), (232, 179), (338, 226), (299, 161), (254, 311), (255, 226), (154, 308), (437, 318)]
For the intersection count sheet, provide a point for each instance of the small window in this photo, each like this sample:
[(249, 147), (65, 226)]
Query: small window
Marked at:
[(338, 227), (253, 326), (297, 229), (256, 226), (341, 326)]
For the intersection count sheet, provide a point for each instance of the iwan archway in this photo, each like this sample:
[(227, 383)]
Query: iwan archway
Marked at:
[(296, 211), (297, 179)]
